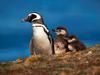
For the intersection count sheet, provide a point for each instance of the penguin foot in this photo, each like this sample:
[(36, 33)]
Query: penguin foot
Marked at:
[(32, 58), (20, 60)]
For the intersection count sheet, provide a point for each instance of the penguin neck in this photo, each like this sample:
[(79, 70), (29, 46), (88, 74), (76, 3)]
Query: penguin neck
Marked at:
[(37, 25), (38, 21)]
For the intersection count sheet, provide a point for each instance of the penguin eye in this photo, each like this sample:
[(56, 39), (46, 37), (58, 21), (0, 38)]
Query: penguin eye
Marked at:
[(33, 16)]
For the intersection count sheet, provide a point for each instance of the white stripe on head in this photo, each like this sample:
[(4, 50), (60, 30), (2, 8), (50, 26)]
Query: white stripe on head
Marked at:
[(37, 16)]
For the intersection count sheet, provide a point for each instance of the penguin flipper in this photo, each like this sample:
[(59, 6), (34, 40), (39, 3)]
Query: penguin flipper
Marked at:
[(50, 39), (31, 47), (52, 43)]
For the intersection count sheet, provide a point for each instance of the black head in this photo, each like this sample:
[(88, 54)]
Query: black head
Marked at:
[(61, 28), (72, 38), (32, 17), (60, 31)]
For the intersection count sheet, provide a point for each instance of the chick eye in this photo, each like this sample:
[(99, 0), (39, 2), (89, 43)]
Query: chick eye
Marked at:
[(59, 30)]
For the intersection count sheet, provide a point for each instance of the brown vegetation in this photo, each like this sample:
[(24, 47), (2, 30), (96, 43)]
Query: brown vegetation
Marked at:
[(86, 62)]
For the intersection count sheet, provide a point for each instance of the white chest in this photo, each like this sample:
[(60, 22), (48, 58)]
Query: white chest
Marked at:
[(40, 37), (38, 33)]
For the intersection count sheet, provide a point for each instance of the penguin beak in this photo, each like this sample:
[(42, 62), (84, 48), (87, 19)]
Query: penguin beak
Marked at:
[(25, 19)]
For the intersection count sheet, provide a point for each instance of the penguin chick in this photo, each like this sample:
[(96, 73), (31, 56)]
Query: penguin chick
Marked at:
[(61, 31), (60, 44), (41, 42), (74, 44)]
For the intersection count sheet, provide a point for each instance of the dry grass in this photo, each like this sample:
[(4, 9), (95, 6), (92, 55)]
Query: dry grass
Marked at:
[(86, 62)]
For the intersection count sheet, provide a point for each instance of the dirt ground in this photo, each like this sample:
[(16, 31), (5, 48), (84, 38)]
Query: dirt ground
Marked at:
[(86, 62)]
